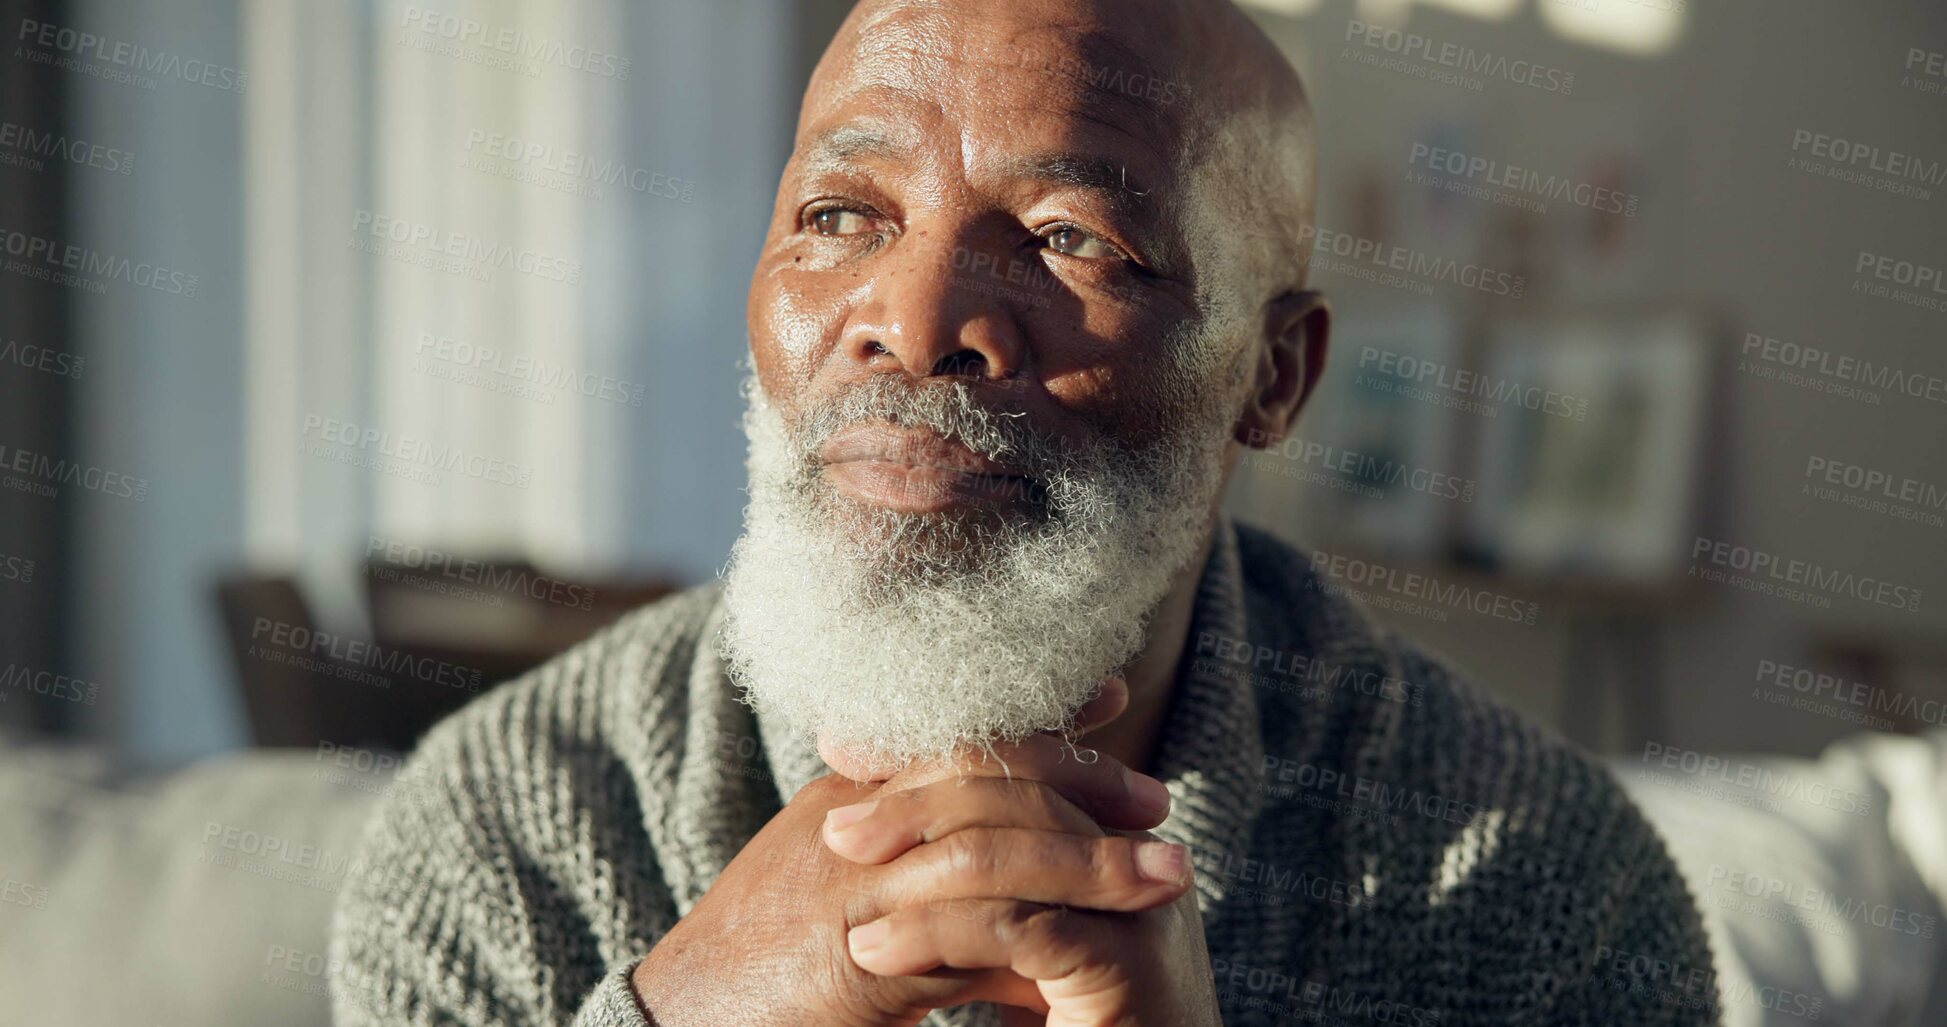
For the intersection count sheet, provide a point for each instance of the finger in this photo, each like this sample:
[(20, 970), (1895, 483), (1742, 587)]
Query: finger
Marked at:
[(1037, 942), (1114, 872), (1108, 703), (908, 998), (949, 986), (1116, 797), (896, 821), (912, 996), (847, 764)]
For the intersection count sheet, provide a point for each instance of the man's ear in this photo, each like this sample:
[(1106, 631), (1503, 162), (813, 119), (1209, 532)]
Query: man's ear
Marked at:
[(1296, 326)]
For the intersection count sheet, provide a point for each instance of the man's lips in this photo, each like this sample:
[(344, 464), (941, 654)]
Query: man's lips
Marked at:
[(913, 447), (916, 470)]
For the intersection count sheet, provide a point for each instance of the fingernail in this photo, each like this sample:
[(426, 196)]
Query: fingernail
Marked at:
[(1160, 861), (1146, 790), (845, 816), (866, 937)]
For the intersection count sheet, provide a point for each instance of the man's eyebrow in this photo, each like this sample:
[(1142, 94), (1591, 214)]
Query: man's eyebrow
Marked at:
[(840, 148), (837, 148), (1089, 171)]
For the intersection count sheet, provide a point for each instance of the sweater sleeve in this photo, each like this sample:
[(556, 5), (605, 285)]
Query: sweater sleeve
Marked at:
[(1580, 908), (613, 1002), (1651, 963), (499, 884)]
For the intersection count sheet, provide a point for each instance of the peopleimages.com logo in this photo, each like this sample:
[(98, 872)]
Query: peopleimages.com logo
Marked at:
[(1383, 263), (1359, 473), (1432, 58), (1925, 71), (515, 43), (37, 256), (1518, 183), (1421, 373), (519, 374), (41, 474), (87, 52), (455, 252), (41, 358), (16, 568), (496, 580), (269, 636), (1828, 371), (1840, 699), (379, 449), (31, 148), (1770, 573), (541, 164), (1750, 784), (1384, 586), (1864, 164)]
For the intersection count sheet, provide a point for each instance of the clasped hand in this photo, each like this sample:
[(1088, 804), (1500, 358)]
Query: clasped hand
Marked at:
[(1026, 877)]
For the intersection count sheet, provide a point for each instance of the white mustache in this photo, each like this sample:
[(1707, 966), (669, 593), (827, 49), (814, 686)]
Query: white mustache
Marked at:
[(952, 409)]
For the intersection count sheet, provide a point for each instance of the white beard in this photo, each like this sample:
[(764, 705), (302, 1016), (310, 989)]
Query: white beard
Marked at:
[(903, 637)]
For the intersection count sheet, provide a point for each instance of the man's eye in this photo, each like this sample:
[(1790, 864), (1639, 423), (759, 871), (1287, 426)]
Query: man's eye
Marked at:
[(838, 221), (1076, 243)]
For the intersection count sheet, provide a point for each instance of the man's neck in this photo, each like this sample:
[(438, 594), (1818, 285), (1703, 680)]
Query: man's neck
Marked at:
[(1134, 737)]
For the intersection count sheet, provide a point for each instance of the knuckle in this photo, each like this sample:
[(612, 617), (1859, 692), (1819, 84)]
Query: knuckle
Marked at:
[(1096, 779), (973, 853), (1112, 861), (821, 786), (1017, 923), (833, 789), (1039, 799), (1038, 757), (915, 812), (1052, 928), (904, 800), (1042, 749)]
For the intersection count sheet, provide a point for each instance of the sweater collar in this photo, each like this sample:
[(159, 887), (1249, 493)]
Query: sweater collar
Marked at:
[(1210, 753)]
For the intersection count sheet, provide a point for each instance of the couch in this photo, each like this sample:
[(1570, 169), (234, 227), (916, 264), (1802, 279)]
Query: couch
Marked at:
[(202, 897)]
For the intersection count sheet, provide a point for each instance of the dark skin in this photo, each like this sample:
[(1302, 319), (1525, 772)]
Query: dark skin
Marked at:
[(1079, 207)]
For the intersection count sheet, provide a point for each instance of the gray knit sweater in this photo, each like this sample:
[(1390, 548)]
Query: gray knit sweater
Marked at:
[(1375, 841)]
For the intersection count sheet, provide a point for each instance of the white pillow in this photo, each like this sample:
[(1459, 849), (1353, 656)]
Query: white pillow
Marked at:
[(143, 905), (1821, 881)]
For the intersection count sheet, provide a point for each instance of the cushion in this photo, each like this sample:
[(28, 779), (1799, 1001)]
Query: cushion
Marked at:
[(200, 897), (1822, 882)]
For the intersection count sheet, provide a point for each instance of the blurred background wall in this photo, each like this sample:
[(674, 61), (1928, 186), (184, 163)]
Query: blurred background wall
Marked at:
[(1694, 110), (429, 286)]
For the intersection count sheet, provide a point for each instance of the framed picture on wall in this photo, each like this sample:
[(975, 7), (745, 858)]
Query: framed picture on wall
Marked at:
[(1593, 470)]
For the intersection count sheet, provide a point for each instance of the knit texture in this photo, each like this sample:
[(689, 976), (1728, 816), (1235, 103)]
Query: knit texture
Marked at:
[(1375, 842)]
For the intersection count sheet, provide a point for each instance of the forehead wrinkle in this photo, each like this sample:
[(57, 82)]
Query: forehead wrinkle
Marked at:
[(1095, 61), (1105, 169), (905, 47), (926, 48), (1090, 62)]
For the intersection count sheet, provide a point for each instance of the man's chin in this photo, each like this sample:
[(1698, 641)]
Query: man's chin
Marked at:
[(945, 538)]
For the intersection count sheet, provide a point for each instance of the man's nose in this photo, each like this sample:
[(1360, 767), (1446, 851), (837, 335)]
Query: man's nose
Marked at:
[(939, 310)]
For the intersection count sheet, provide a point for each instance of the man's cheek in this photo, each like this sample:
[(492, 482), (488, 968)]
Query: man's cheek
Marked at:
[(1127, 394), (794, 323), (1088, 321)]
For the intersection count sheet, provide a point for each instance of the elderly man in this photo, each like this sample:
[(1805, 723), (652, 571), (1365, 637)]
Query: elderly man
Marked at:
[(996, 718)]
